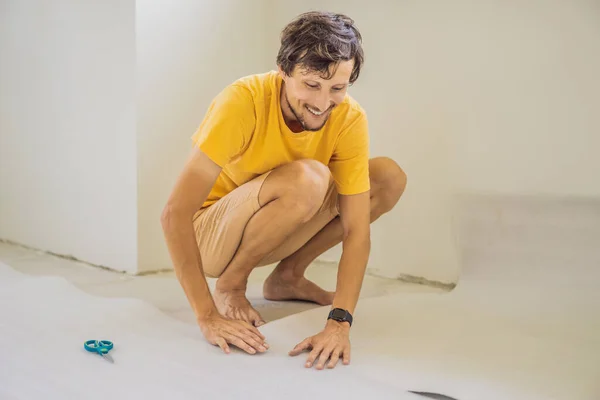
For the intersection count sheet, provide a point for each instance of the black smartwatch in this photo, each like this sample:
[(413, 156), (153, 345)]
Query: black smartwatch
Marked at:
[(340, 315)]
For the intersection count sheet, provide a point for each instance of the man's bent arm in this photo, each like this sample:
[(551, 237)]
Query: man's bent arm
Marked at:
[(191, 190), (356, 242)]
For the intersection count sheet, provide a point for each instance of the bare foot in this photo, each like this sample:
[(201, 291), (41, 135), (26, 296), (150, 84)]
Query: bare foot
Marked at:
[(234, 304), (277, 288)]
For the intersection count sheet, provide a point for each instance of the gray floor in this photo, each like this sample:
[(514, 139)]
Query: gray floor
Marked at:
[(163, 290)]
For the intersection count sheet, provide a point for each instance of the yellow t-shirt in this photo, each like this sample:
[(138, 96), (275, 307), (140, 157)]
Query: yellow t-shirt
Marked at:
[(244, 132)]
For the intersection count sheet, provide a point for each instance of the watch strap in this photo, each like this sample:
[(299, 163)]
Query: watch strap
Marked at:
[(340, 315)]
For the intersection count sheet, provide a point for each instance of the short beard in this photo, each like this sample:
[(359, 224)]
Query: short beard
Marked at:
[(300, 119)]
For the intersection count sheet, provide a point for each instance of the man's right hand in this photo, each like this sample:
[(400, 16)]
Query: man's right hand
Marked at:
[(222, 331), (191, 190)]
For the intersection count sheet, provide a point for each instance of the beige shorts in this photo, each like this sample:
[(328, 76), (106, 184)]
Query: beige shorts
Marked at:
[(220, 227)]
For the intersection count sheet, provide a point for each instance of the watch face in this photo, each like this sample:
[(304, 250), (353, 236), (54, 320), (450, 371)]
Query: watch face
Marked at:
[(339, 314)]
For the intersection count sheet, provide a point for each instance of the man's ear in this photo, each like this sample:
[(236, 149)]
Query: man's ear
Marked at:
[(281, 73)]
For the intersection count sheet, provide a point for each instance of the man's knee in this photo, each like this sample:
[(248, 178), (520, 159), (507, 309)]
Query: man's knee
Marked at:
[(388, 180), (307, 186)]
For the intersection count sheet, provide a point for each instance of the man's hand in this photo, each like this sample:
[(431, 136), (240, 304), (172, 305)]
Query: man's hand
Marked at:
[(220, 331), (333, 342)]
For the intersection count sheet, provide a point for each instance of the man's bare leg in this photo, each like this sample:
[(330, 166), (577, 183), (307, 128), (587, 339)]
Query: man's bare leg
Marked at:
[(290, 196), (287, 281)]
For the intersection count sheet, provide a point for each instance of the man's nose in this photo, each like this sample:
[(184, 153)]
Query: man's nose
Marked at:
[(323, 101)]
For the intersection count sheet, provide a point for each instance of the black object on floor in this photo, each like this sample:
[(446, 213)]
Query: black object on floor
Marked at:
[(435, 396)]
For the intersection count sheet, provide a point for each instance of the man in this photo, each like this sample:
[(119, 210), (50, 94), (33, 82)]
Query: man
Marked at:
[(280, 173)]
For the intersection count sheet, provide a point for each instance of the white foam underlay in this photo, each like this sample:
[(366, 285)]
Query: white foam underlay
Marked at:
[(471, 348), (504, 333)]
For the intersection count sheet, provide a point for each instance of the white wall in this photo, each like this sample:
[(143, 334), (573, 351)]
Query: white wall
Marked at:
[(98, 104), (472, 97), (187, 51), (67, 128), (525, 83), (475, 97)]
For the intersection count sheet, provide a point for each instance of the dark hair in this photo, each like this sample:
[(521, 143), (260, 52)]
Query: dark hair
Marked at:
[(314, 40)]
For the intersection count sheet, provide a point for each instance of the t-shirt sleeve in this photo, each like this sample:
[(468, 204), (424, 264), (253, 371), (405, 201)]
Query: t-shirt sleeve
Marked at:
[(349, 163), (227, 126)]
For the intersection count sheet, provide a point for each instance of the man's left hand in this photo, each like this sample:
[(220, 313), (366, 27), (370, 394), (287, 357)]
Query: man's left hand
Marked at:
[(330, 344)]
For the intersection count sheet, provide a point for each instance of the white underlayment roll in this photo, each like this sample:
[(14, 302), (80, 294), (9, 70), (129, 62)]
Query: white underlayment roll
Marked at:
[(512, 329), (44, 322)]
